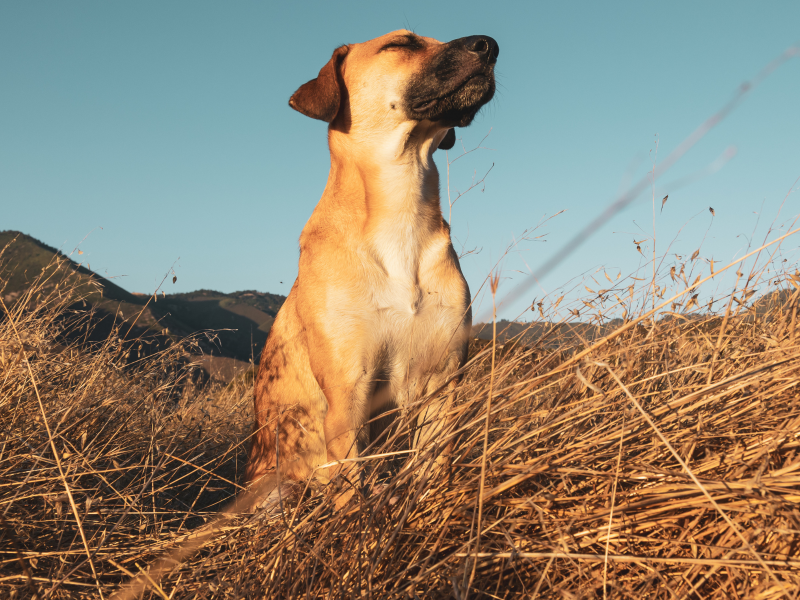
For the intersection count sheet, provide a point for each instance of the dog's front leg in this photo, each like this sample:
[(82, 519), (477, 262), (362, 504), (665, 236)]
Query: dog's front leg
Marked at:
[(341, 438), (344, 422), (346, 386)]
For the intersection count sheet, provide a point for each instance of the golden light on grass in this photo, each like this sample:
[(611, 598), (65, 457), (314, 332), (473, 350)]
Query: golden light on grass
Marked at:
[(656, 457)]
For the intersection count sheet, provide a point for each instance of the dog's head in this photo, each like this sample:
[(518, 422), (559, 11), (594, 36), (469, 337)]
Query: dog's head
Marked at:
[(402, 78)]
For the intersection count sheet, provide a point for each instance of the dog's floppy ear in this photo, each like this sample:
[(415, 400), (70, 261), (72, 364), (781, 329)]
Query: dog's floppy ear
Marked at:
[(320, 97), (449, 140)]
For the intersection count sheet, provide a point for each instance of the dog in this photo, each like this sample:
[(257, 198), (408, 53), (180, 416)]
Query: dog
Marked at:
[(379, 315)]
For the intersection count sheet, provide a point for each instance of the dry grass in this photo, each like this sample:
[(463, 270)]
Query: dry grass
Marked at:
[(659, 462)]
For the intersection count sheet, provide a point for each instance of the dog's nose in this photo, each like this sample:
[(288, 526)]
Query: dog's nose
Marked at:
[(484, 46)]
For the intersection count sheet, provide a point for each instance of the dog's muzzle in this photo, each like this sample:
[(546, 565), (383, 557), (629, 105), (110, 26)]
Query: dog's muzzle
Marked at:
[(455, 83)]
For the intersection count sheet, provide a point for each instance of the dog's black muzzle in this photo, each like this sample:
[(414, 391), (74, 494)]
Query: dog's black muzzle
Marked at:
[(455, 83)]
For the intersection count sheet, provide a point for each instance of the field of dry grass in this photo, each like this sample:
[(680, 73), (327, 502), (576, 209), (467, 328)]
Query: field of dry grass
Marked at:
[(658, 461)]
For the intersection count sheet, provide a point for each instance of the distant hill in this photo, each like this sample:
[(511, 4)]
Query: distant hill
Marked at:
[(240, 321), (557, 334), (560, 334), (23, 258)]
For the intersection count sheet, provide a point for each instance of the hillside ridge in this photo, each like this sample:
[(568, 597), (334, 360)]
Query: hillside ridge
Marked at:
[(238, 322)]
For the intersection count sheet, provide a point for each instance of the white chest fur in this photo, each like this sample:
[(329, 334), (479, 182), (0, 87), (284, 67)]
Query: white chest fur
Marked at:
[(414, 322)]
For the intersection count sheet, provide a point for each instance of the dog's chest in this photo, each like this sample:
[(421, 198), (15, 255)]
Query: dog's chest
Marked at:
[(398, 249), (412, 313), (399, 259)]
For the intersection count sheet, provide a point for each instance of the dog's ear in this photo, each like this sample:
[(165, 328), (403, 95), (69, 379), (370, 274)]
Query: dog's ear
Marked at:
[(320, 97), (449, 140)]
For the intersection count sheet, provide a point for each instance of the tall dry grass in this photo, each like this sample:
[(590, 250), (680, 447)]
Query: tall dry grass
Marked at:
[(655, 458), (107, 446)]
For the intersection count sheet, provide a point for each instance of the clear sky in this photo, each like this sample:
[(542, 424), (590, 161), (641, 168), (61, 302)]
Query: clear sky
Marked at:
[(166, 124)]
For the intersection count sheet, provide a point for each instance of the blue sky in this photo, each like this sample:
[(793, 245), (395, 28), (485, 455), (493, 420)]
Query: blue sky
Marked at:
[(167, 125)]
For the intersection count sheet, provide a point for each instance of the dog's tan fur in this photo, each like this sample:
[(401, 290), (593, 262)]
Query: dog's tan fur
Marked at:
[(379, 314)]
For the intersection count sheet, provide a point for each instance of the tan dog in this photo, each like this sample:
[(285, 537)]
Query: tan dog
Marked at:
[(379, 314)]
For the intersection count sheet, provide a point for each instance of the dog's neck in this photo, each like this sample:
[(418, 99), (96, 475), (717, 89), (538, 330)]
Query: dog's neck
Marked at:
[(393, 172), (383, 191)]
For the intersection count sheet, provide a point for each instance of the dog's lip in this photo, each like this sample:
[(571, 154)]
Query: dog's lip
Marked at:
[(428, 104), (425, 105)]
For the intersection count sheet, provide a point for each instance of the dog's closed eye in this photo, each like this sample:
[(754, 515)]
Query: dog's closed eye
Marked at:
[(408, 42)]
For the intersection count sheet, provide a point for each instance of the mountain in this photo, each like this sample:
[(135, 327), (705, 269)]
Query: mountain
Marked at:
[(561, 334), (557, 334), (241, 320), (238, 323)]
